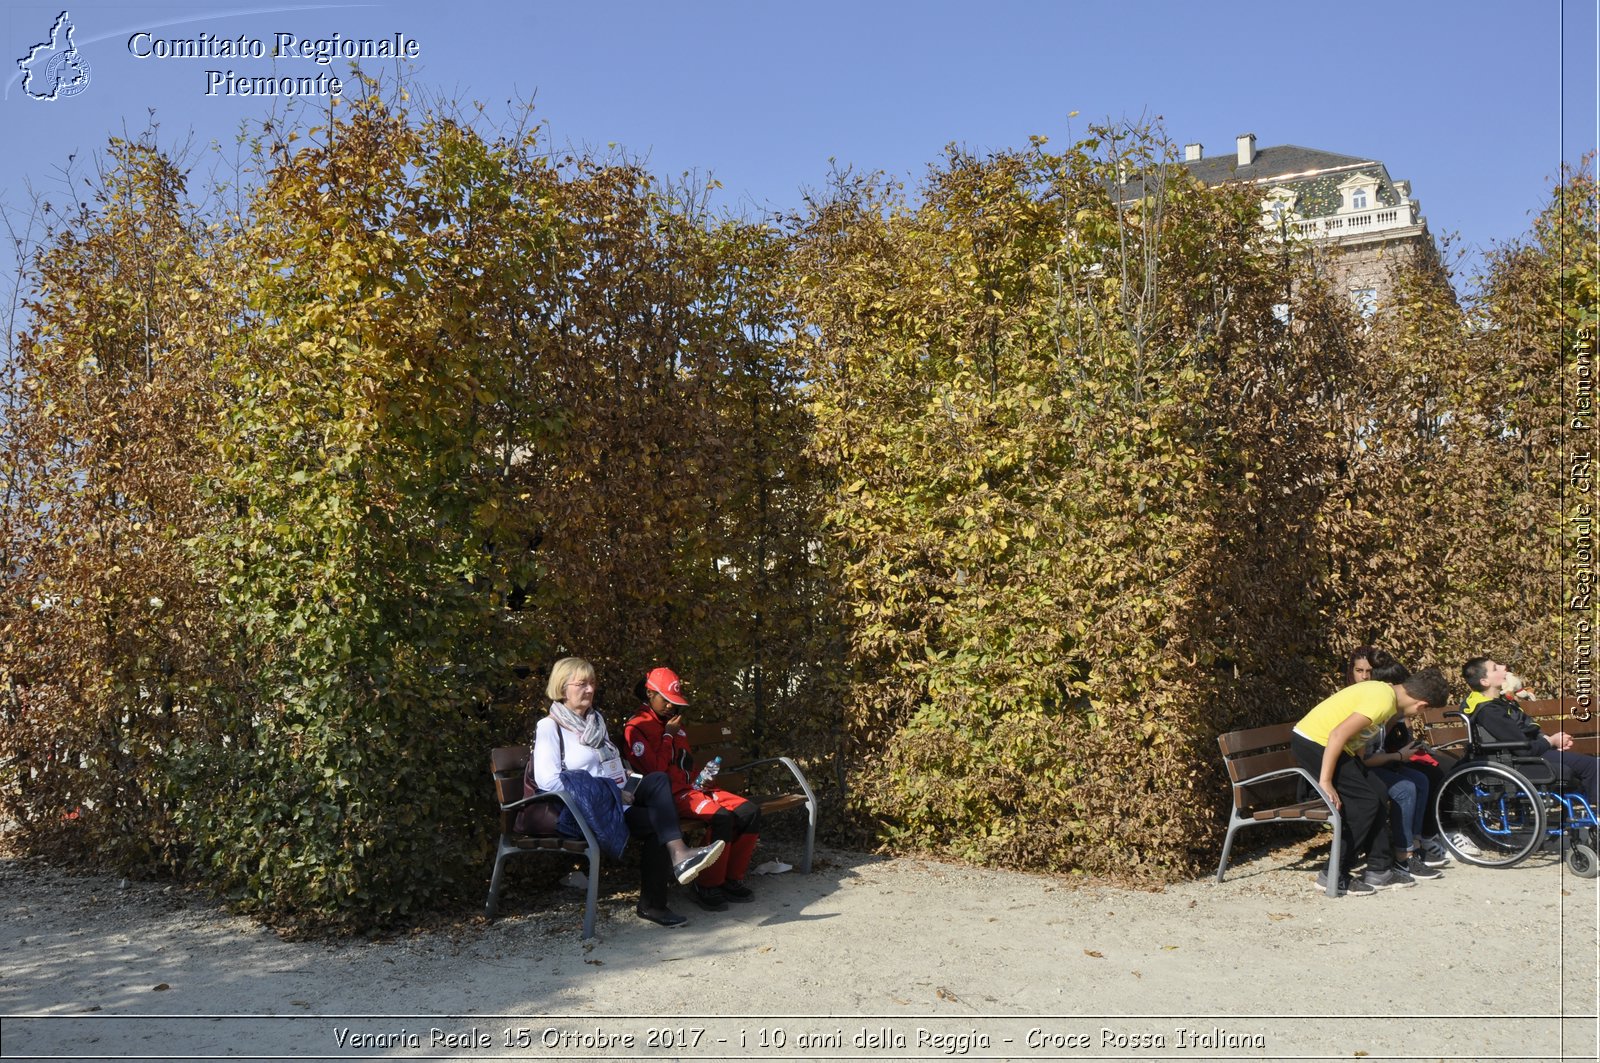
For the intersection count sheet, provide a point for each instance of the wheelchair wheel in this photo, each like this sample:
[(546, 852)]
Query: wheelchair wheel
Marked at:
[(1493, 810), (1583, 861)]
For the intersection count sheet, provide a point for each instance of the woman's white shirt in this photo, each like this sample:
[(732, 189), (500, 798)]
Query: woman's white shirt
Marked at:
[(547, 752)]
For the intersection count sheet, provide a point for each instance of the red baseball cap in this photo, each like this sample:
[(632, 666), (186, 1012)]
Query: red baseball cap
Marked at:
[(664, 681)]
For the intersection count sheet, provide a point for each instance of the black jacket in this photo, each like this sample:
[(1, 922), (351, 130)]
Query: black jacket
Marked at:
[(1500, 720)]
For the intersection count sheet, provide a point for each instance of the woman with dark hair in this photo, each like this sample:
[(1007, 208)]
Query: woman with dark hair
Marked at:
[(1358, 665)]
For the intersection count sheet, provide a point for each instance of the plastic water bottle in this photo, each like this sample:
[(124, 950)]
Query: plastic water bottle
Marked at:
[(707, 773)]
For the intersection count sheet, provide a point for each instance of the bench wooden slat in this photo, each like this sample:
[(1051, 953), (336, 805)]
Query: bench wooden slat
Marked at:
[(779, 803), (508, 758), (550, 842), (1255, 738), (732, 781), (1311, 810), (1242, 769), (708, 733)]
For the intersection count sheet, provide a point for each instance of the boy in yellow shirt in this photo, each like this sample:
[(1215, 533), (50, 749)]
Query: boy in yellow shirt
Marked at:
[(1327, 742)]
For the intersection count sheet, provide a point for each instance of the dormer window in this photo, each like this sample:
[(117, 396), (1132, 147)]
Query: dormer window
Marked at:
[(1277, 207), (1358, 192)]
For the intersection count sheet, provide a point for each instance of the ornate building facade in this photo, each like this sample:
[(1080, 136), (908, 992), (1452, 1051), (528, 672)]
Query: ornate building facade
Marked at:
[(1356, 220)]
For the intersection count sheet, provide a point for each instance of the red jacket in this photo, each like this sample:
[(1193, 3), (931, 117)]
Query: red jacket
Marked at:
[(653, 746)]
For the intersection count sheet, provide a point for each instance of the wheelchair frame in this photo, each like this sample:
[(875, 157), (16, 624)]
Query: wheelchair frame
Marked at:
[(1508, 805)]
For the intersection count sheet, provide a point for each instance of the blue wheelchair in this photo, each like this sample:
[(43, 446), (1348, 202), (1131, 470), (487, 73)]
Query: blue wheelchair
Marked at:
[(1502, 801)]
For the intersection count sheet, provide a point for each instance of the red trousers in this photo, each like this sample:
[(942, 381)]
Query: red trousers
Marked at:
[(729, 817)]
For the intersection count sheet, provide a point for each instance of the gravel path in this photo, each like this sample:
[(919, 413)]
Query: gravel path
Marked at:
[(868, 958)]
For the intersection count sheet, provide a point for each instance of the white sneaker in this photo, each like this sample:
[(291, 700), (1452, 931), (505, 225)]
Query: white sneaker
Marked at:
[(1464, 846)]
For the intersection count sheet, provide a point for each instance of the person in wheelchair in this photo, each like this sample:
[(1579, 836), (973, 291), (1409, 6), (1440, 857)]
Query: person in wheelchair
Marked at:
[(1496, 716)]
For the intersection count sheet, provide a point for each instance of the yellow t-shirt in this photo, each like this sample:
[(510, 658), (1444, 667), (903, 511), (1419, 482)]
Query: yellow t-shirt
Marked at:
[(1373, 699)]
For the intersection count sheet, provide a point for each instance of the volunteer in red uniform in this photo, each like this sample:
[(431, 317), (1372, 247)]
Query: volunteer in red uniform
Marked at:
[(657, 742)]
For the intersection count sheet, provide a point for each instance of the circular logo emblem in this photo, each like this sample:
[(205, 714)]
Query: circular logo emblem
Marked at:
[(68, 73)]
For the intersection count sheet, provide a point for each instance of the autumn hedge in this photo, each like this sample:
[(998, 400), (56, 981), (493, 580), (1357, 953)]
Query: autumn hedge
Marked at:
[(996, 501)]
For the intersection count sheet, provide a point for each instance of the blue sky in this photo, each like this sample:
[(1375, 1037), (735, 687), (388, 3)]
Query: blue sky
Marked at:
[(1464, 99)]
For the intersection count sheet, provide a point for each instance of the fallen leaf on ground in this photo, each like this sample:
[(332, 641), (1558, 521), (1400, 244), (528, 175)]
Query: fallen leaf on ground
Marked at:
[(1096, 955), (1279, 916), (160, 987), (944, 994)]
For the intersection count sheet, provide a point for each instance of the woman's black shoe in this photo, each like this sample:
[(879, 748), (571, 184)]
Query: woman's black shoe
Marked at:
[(660, 916), (709, 897), (735, 890)]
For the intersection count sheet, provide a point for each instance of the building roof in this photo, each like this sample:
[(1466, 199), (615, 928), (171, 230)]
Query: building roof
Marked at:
[(1284, 160)]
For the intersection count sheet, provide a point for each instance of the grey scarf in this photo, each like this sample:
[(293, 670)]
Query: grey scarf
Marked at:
[(590, 729)]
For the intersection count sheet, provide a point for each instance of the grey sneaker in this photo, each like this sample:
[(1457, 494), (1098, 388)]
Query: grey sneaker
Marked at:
[(689, 868), (1434, 853), (1348, 887), (1392, 879), (1419, 868)]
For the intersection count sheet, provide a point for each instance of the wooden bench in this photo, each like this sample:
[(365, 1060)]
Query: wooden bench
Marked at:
[(1270, 787), (507, 764), (781, 793)]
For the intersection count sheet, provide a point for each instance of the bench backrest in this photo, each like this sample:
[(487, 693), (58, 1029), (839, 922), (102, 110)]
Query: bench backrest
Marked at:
[(1256, 751), (1441, 730), (508, 763), (713, 738), (1569, 715), (1551, 714)]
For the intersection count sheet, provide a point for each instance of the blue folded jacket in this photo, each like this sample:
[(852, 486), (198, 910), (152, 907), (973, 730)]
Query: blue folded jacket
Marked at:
[(601, 804)]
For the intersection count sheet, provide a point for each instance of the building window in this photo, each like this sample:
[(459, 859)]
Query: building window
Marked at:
[(1366, 300), (1358, 199)]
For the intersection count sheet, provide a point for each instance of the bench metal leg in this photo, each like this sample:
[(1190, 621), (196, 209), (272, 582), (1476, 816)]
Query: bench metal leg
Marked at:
[(1333, 858), (492, 905), (594, 890), (1227, 847), (811, 837)]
